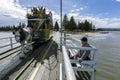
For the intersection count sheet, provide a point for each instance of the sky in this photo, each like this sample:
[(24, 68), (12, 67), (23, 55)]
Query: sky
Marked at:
[(102, 13)]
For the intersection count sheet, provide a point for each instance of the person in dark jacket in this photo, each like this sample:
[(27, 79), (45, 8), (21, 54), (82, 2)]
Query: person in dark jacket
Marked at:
[(84, 54)]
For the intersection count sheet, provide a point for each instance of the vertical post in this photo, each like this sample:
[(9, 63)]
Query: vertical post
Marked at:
[(11, 44), (64, 37), (61, 78), (61, 22), (92, 75), (95, 58), (63, 68), (61, 13)]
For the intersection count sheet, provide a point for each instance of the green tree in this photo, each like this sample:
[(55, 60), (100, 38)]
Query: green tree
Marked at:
[(72, 24), (93, 28), (81, 26), (86, 25), (65, 22), (56, 26)]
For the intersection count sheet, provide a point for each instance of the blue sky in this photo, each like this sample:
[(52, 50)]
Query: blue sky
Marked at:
[(102, 13)]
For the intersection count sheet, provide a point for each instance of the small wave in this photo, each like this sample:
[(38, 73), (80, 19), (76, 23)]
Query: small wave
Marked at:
[(100, 36)]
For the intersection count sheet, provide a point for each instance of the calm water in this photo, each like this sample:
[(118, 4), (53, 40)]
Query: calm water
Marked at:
[(108, 65)]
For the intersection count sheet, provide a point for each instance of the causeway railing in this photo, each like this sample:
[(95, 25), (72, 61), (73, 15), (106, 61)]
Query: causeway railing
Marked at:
[(7, 42), (69, 49)]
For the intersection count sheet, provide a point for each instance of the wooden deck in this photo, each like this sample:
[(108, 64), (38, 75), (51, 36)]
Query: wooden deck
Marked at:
[(49, 69)]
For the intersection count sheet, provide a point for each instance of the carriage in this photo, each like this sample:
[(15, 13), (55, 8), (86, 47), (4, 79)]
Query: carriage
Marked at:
[(38, 30), (40, 20)]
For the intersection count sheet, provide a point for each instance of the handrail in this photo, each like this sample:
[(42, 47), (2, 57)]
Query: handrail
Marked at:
[(82, 48), (86, 65), (6, 37), (8, 45), (68, 68), (10, 40)]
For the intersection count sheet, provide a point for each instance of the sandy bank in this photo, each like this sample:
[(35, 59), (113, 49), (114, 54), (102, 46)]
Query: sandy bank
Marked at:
[(86, 33)]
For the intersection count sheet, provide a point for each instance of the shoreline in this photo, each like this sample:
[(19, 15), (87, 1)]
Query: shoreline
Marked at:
[(88, 33)]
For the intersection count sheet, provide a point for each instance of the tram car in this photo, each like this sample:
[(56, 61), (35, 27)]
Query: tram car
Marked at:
[(40, 20)]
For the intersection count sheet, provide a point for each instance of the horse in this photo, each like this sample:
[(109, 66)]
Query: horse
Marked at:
[(24, 37)]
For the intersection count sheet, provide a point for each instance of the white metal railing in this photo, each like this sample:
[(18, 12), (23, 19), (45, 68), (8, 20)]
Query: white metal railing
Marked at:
[(85, 65), (68, 68), (7, 42), (66, 64)]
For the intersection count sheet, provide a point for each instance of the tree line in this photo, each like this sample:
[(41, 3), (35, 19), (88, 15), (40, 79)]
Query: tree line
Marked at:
[(6, 28), (10, 27), (71, 25), (68, 25)]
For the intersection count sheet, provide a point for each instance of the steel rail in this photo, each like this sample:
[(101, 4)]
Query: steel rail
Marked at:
[(30, 62), (8, 54), (9, 50)]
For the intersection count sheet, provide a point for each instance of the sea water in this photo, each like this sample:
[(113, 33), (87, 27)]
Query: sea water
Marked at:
[(108, 60)]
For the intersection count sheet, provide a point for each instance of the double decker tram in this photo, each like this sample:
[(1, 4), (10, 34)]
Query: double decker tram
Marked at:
[(40, 20)]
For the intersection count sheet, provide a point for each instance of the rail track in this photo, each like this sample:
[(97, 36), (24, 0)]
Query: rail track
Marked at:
[(25, 69), (10, 52)]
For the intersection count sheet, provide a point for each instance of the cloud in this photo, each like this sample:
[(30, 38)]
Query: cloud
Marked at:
[(74, 6), (73, 14), (56, 17), (77, 9), (72, 10), (9, 10), (118, 0), (81, 8), (98, 22), (12, 12)]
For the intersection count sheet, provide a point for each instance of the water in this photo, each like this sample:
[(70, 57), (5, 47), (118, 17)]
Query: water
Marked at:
[(5, 34), (108, 64)]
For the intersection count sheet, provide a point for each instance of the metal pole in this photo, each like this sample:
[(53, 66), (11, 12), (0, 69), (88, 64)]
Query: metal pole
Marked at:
[(63, 73), (61, 13), (61, 23), (11, 42)]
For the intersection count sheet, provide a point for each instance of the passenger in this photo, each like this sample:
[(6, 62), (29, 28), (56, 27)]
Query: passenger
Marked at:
[(83, 54), (30, 26)]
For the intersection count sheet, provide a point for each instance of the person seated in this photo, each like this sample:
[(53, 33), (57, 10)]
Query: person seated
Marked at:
[(83, 54)]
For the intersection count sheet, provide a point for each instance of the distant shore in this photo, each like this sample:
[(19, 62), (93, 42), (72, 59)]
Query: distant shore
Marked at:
[(89, 33)]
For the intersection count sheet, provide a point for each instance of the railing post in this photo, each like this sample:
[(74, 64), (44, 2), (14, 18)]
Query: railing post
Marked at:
[(92, 75), (63, 67), (11, 42), (64, 37), (61, 75), (61, 43)]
